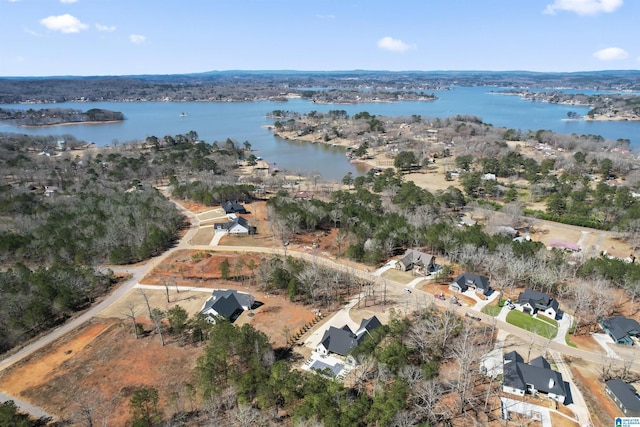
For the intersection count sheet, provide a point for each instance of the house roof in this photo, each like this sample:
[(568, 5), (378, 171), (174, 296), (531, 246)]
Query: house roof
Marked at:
[(518, 374), (226, 306), (230, 207), (227, 303), (342, 340), (244, 299), (339, 341), (625, 393), (513, 357), (620, 326), (538, 300), (235, 221), (367, 325), (466, 279), (411, 256)]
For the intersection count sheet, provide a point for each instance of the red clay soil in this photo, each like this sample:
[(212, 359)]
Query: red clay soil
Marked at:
[(603, 410), (101, 364), (277, 317)]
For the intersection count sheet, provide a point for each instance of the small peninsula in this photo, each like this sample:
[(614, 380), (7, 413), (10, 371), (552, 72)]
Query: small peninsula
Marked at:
[(60, 116), (610, 106)]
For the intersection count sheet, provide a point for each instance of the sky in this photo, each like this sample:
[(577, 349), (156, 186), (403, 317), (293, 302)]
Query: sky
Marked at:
[(118, 37)]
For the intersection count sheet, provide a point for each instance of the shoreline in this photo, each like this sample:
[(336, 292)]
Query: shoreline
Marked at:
[(94, 122)]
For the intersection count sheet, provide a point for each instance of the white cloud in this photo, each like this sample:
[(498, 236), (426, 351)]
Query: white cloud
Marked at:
[(107, 28), (611, 54), (137, 38), (583, 7), (64, 23), (68, 1), (394, 45)]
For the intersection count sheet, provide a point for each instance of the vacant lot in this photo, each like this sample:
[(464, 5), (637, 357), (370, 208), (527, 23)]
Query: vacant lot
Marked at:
[(100, 366)]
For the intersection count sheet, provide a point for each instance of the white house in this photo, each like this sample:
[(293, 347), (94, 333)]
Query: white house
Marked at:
[(226, 303), (535, 377), (237, 225), (533, 302)]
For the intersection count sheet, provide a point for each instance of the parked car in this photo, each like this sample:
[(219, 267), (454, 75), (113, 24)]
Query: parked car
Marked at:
[(407, 290)]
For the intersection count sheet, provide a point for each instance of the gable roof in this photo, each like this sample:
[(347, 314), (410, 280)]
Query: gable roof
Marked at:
[(227, 303), (620, 326), (513, 356), (539, 300), (466, 279), (411, 256), (235, 221), (342, 340), (227, 306), (232, 207), (518, 374), (625, 393), (339, 341)]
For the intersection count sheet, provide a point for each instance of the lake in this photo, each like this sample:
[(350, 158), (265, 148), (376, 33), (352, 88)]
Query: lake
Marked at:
[(246, 122)]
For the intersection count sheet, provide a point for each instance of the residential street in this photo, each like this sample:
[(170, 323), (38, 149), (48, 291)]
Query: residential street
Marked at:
[(340, 318)]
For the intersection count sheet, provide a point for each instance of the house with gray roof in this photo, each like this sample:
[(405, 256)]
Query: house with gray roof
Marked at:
[(467, 281), (237, 225), (532, 378), (621, 329), (228, 304), (533, 302), (233, 207), (413, 258), (625, 396), (341, 340)]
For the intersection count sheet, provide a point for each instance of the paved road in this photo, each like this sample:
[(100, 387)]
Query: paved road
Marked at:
[(138, 272), (26, 407)]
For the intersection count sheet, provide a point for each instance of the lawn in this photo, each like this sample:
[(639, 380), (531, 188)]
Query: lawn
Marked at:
[(398, 276), (491, 310), (526, 322)]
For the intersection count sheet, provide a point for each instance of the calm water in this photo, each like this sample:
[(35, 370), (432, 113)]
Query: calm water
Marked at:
[(246, 121)]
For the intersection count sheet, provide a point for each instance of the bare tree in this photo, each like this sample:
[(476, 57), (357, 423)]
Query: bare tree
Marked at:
[(131, 314), (146, 300), (156, 316), (426, 396)]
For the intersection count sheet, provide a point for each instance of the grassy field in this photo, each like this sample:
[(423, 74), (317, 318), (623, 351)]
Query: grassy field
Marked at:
[(491, 310), (398, 276), (526, 322)]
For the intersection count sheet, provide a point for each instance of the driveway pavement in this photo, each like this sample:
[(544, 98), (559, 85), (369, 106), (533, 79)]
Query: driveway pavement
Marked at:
[(604, 340), (527, 409), (578, 406), (564, 324), (338, 320)]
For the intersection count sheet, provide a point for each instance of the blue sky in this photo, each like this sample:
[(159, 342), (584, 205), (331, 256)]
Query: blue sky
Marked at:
[(116, 37)]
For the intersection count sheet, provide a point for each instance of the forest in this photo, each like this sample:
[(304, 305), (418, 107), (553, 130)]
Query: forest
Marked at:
[(65, 216), (57, 116)]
